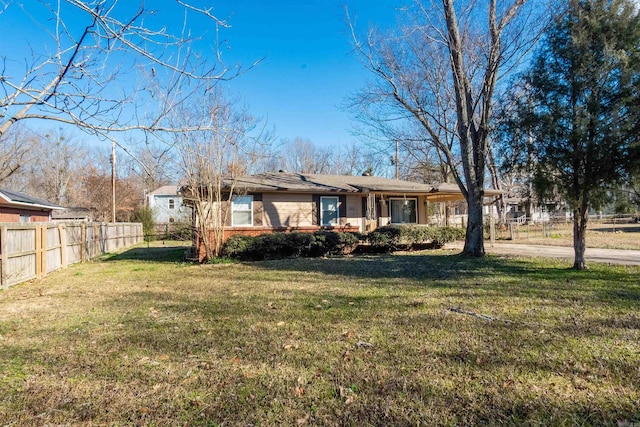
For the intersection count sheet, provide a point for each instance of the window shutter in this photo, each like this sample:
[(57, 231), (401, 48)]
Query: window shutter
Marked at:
[(315, 210), (257, 209), (342, 208)]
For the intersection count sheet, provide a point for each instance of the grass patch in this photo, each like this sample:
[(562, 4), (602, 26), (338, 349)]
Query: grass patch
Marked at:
[(369, 340)]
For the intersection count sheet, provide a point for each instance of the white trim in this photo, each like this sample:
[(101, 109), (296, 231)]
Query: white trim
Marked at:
[(12, 203), (241, 210), (337, 199)]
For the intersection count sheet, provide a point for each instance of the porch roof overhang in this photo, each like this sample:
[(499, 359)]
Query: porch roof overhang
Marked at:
[(446, 192)]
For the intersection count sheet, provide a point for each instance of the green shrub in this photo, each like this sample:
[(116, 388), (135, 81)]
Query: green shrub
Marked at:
[(285, 245), (300, 243), (326, 242), (237, 245), (144, 215), (335, 243), (398, 237)]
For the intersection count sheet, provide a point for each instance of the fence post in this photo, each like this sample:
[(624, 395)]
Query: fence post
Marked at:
[(38, 245), (4, 258), (83, 243), (43, 249), (62, 233)]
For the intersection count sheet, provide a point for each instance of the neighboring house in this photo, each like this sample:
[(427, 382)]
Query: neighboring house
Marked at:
[(167, 205), (17, 207), (307, 202), (517, 211)]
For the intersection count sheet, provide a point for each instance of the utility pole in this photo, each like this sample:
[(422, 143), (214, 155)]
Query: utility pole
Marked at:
[(113, 181), (397, 162)]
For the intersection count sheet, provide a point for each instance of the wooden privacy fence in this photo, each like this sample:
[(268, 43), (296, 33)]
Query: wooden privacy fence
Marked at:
[(31, 251)]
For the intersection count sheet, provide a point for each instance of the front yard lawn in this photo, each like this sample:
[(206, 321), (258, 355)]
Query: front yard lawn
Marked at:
[(407, 339)]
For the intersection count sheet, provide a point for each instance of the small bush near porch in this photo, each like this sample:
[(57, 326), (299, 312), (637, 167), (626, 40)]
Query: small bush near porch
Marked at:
[(424, 338)]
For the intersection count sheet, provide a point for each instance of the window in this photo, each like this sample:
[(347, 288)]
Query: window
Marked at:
[(172, 204), (25, 218), (242, 211), (403, 211), (329, 211)]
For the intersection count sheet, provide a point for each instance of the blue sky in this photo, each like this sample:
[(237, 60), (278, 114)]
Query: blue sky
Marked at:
[(308, 67), (307, 71)]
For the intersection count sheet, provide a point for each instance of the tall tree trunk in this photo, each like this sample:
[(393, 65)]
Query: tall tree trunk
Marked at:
[(580, 218), (474, 239)]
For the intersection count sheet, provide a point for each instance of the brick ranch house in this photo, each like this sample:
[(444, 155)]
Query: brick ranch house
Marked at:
[(17, 207), (285, 202)]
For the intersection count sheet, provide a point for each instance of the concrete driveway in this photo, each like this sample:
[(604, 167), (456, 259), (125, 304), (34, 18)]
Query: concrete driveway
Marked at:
[(609, 256)]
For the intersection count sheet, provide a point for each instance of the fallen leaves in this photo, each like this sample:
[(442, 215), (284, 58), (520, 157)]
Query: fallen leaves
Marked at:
[(347, 394)]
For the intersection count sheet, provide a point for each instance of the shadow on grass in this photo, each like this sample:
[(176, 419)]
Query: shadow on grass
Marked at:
[(504, 277), (236, 348), (154, 253), (618, 229)]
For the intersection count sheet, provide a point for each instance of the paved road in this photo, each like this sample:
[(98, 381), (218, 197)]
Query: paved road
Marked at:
[(610, 256)]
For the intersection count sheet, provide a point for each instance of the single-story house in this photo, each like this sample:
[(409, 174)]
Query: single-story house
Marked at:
[(18, 207), (308, 202), (167, 205)]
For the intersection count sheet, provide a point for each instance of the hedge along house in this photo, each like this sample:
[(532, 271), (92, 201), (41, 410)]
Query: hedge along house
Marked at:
[(17, 207), (285, 202)]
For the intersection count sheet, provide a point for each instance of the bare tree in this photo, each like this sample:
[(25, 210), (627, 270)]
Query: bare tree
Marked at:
[(92, 74), (356, 159), (303, 156), (58, 167), (440, 71), (160, 163), (95, 194), (212, 160), (16, 152)]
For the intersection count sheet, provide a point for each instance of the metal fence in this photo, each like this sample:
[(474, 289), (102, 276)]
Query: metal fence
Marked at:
[(551, 226), (31, 251)]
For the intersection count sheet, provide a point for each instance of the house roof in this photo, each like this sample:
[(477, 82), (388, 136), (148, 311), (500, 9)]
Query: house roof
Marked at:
[(24, 201), (317, 183), (73, 213), (165, 190)]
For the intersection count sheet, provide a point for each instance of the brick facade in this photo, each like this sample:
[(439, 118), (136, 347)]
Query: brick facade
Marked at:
[(8, 214)]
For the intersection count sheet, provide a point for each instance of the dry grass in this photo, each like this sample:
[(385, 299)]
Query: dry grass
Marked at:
[(345, 341), (606, 236)]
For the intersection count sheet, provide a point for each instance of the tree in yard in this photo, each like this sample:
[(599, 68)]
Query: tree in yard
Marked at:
[(57, 174), (95, 194), (584, 118), (212, 159), (16, 152), (440, 71)]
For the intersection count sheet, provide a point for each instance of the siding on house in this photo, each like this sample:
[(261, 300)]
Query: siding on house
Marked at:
[(168, 206), (290, 210), (164, 212), (287, 210), (354, 211)]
